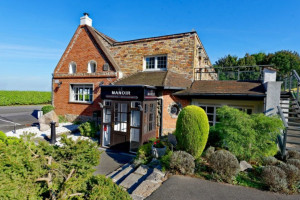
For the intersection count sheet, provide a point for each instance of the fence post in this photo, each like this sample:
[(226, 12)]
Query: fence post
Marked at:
[(290, 85), (297, 92), (238, 74)]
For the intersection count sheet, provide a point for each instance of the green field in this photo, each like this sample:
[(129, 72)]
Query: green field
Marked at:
[(9, 98)]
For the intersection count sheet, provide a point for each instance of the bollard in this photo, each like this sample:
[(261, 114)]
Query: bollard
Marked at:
[(53, 133)]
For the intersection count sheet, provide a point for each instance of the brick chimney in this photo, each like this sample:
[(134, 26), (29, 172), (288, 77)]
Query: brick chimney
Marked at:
[(85, 20)]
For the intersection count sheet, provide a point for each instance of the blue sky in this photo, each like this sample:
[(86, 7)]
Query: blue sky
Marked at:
[(34, 34)]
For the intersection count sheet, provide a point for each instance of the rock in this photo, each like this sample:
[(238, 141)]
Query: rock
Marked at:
[(245, 166), (156, 176), (44, 127), (46, 119)]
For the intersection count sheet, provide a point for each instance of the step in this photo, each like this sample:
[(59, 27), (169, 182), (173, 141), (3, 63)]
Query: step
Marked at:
[(294, 128), (292, 113), (294, 124), (135, 178), (293, 149), (120, 175), (147, 187), (290, 146)]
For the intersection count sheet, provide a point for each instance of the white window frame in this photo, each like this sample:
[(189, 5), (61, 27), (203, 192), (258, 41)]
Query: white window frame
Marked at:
[(82, 86), (71, 69), (89, 69), (155, 63)]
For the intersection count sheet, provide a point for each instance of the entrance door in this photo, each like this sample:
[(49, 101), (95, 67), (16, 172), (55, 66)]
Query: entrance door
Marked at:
[(120, 136)]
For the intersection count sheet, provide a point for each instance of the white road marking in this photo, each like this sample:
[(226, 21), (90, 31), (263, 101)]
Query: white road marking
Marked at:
[(9, 122)]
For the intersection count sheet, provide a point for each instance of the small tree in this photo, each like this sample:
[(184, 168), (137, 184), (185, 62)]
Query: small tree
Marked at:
[(249, 137), (192, 130)]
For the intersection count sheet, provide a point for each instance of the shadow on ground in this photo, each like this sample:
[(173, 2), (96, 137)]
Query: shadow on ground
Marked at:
[(111, 160)]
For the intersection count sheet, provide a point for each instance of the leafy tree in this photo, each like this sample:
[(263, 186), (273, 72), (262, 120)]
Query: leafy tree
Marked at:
[(285, 61), (43, 171), (227, 61), (249, 137)]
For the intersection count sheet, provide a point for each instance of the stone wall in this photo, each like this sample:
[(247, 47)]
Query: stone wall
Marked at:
[(179, 50)]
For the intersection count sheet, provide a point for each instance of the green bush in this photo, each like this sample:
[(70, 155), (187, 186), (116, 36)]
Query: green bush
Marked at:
[(8, 98), (88, 129), (104, 188), (275, 178), (2, 136), (144, 154), (182, 162), (192, 130), (270, 160), (62, 119), (292, 174), (249, 137), (225, 164), (47, 109), (165, 160)]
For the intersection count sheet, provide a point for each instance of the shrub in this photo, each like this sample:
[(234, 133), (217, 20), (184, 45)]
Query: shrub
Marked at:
[(209, 151), (294, 162), (47, 109), (275, 178), (270, 160), (166, 159), (88, 129), (249, 137), (182, 162), (104, 188), (293, 154), (292, 174), (2, 136), (192, 130), (144, 154), (224, 164), (62, 119)]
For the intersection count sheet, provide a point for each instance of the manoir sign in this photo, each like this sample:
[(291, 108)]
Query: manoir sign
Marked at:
[(127, 92)]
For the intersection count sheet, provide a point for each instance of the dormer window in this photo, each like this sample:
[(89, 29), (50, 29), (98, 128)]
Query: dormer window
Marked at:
[(92, 67), (72, 68), (158, 62)]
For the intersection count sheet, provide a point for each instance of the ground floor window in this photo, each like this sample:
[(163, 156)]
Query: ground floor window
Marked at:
[(81, 93)]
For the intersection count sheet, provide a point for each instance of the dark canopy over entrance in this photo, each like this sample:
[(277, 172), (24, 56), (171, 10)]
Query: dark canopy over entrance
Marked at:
[(129, 116)]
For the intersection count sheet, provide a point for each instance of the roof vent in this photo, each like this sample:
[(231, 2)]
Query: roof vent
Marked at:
[(85, 20)]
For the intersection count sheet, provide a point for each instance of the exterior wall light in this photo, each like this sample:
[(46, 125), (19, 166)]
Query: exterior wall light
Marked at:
[(58, 83)]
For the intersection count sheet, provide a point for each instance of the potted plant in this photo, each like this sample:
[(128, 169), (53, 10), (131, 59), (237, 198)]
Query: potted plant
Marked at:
[(158, 148)]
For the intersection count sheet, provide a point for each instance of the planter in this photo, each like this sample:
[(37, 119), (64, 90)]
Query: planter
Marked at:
[(158, 152)]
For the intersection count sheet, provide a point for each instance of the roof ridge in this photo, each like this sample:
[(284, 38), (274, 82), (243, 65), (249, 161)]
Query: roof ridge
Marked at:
[(105, 37), (103, 48)]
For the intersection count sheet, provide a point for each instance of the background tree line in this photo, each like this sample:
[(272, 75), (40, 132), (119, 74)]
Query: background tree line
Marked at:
[(283, 60)]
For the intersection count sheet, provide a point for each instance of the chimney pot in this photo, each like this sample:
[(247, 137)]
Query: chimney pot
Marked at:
[(85, 20)]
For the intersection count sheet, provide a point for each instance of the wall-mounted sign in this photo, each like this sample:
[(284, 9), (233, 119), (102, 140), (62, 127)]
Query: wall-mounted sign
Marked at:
[(127, 92)]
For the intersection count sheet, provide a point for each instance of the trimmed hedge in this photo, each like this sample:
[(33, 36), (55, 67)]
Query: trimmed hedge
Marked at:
[(192, 130), (47, 109)]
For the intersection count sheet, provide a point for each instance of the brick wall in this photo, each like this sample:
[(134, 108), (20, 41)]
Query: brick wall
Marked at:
[(80, 50), (169, 122)]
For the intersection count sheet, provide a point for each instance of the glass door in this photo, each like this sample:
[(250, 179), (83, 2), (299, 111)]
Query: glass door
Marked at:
[(106, 128), (120, 134)]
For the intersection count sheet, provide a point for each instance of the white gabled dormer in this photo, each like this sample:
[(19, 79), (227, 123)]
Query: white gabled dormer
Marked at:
[(85, 20)]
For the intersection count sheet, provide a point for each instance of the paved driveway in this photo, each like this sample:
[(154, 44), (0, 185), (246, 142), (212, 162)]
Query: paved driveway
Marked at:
[(21, 115), (187, 188)]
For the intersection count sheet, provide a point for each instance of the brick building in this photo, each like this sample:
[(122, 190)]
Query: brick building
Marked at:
[(92, 61), (135, 89)]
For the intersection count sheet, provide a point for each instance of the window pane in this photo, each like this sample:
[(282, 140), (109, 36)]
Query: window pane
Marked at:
[(210, 110), (161, 62), (150, 63), (210, 118), (135, 118)]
